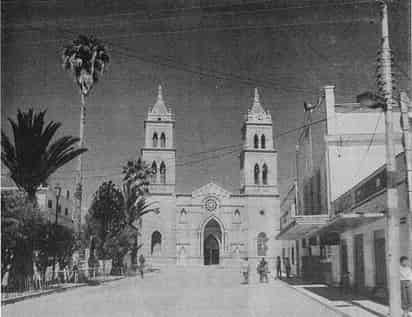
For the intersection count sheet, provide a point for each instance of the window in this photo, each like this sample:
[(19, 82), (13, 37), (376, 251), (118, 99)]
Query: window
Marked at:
[(263, 141), (303, 243), (257, 172), (50, 203), (156, 243), (162, 173), (68, 194), (155, 139), (154, 172), (265, 174), (293, 255), (256, 142), (162, 140), (262, 244), (66, 211)]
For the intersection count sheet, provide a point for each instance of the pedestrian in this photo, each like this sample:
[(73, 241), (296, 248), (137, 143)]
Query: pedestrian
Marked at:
[(266, 272), (406, 286), (245, 270), (278, 268), (5, 278), (262, 270), (287, 267), (142, 260), (345, 283)]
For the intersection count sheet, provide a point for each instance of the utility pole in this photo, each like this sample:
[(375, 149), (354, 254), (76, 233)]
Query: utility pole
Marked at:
[(392, 211)]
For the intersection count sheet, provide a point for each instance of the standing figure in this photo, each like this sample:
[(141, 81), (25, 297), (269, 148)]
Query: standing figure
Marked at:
[(278, 268), (142, 260), (406, 286), (245, 270), (287, 267), (262, 270)]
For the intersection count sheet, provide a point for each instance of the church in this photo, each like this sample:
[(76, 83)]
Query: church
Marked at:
[(211, 225)]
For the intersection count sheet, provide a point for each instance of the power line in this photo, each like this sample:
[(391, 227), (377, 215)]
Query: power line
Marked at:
[(219, 10)]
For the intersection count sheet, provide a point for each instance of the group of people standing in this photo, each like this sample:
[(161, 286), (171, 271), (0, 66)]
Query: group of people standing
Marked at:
[(263, 269)]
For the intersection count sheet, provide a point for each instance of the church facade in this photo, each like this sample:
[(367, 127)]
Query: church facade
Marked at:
[(211, 226)]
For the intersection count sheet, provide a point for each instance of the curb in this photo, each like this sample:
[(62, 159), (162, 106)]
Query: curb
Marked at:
[(49, 292), (332, 308)]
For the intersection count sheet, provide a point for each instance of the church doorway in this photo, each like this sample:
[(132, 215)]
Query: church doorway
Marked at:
[(212, 240)]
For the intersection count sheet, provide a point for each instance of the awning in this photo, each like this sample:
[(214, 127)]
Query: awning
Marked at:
[(302, 226), (346, 221)]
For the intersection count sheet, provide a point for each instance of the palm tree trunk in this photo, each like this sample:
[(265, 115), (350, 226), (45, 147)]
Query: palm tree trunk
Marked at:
[(79, 174)]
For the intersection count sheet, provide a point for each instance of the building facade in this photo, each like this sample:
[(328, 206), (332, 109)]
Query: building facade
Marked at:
[(346, 237), (46, 201), (211, 225)]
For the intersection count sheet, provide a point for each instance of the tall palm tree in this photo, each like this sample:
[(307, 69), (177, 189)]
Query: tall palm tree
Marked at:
[(34, 157), (85, 59)]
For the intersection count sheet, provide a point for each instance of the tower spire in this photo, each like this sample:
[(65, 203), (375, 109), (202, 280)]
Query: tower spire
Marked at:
[(159, 107), (159, 94), (257, 107)]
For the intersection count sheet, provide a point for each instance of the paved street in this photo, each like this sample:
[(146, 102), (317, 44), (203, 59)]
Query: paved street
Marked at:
[(193, 292)]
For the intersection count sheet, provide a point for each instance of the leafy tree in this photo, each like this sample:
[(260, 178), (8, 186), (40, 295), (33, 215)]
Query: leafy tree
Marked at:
[(105, 217), (85, 59), (22, 232), (34, 157)]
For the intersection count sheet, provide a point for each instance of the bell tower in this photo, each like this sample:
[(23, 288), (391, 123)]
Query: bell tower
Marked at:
[(159, 150), (259, 156)]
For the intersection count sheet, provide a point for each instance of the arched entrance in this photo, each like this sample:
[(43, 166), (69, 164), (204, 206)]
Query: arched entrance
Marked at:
[(212, 241)]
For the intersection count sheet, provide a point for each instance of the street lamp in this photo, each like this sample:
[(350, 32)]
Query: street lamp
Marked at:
[(57, 192)]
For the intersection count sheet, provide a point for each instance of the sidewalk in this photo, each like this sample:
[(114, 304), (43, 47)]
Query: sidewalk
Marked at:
[(17, 297), (349, 305)]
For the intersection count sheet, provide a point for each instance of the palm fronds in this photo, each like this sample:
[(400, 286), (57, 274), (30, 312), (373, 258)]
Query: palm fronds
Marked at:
[(33, 157), (86, 59)]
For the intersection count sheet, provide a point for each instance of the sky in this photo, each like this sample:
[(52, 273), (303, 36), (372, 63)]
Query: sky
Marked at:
[(208, 56)]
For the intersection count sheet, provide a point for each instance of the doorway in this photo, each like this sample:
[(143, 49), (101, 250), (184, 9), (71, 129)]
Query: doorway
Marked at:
[(359, 263), (380, 259), (211, 245)]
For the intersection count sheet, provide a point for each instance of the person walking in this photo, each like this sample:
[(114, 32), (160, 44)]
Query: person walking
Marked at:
[(278, 268), (142, 260), (406, 286), (245, 270)]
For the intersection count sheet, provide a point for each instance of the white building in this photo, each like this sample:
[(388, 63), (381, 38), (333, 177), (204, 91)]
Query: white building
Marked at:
[(339, 225), (211, 225), (46, 200)]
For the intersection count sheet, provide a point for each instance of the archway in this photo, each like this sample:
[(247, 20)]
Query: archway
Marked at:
[(212, 241), (156, 246)]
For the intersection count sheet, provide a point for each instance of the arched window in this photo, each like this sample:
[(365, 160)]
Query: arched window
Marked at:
[(154, 172), (262, 244), (256, 141), (155, 139), (236, 216), (162, 173), (162, 140), (156, 243), (256, 173), (265, 174), (263, 141), (183, 214)]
